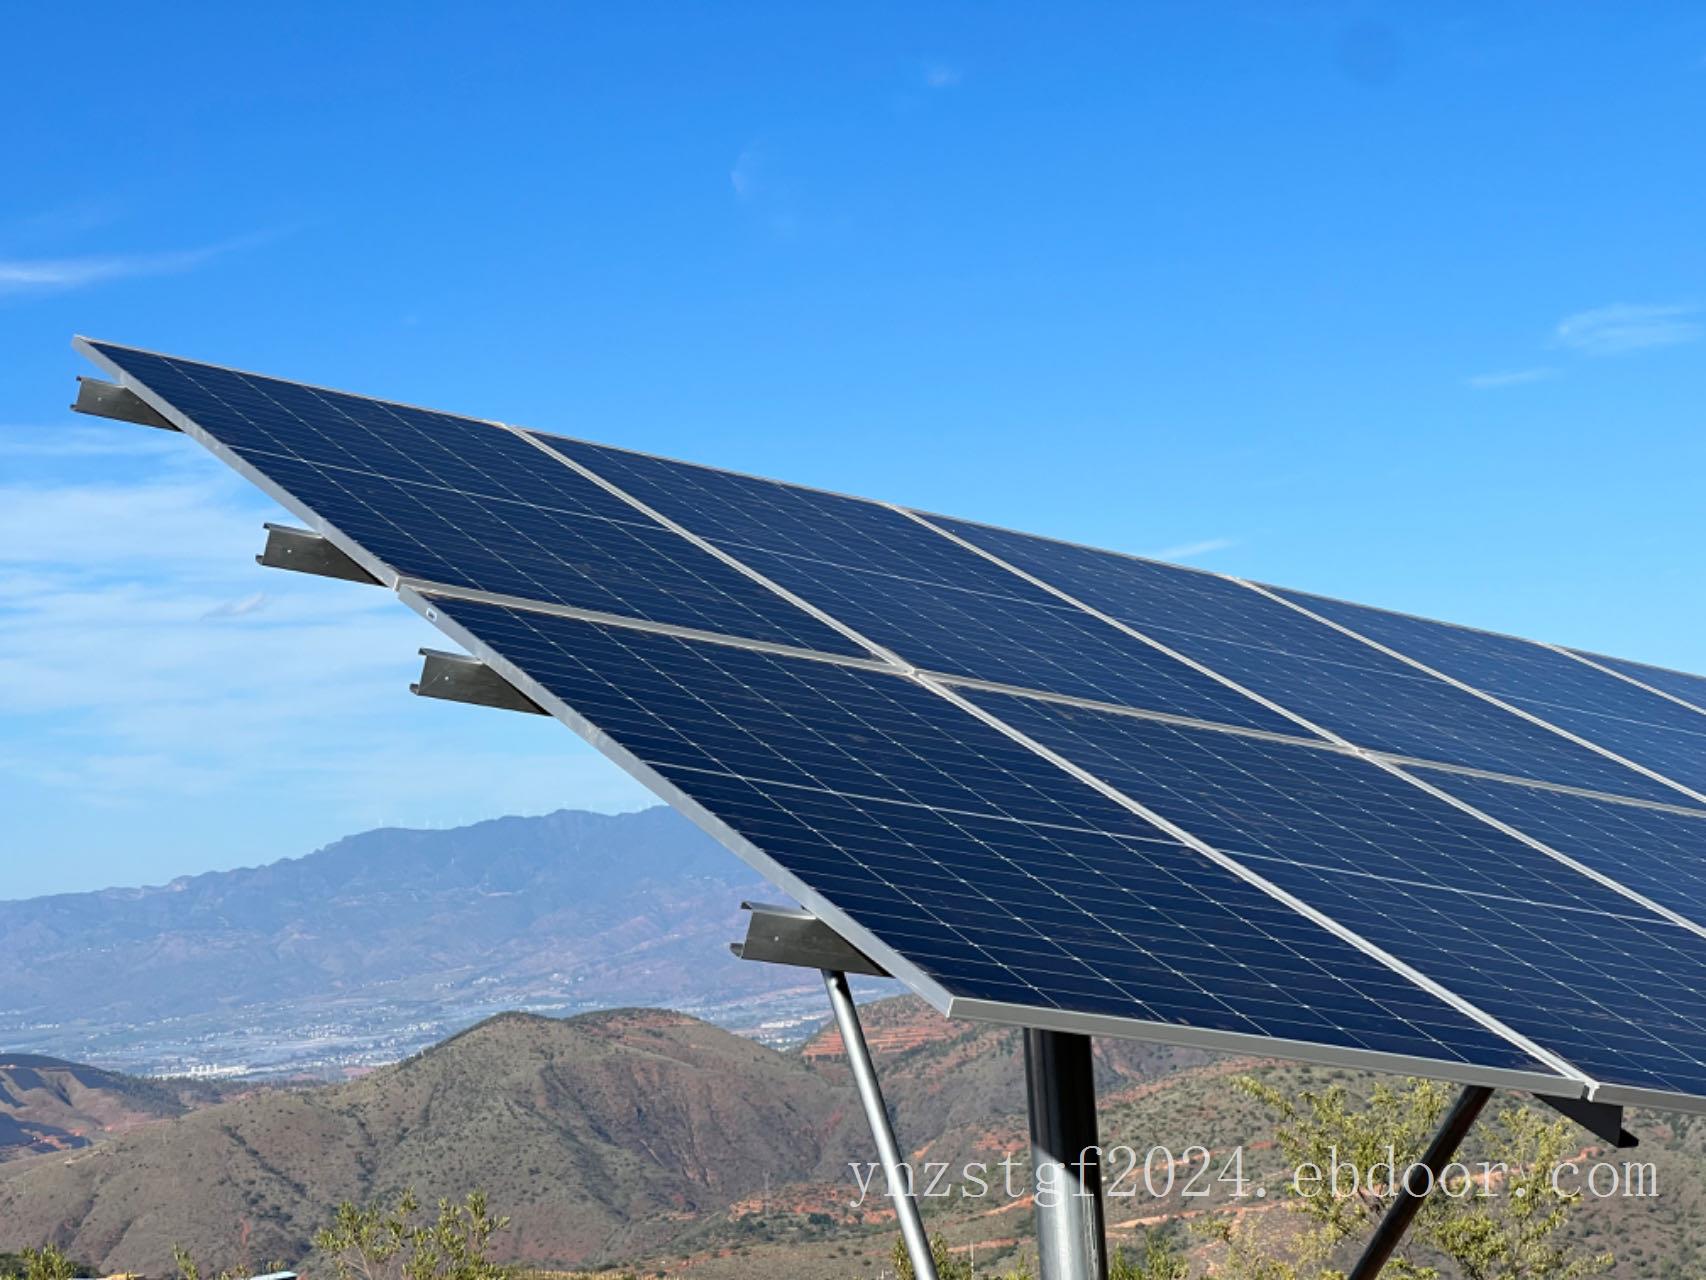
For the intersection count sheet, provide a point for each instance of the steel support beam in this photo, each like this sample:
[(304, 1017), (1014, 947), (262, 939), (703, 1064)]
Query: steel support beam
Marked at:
[(109, 400), (877, 1115), (456, 677), (1066, 1161), (302, 551), (1389, 1232), (788, 935)]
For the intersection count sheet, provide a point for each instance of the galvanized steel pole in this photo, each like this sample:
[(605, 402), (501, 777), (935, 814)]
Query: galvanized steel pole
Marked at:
[(876, 1113), (1066, 1160)]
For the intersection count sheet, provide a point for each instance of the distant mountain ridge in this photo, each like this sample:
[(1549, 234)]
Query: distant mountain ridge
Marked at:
[(383, 942)]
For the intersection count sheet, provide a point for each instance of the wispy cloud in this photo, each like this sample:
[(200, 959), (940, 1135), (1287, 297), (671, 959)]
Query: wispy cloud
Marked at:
[(770, 196), (1191, 550), (939, 75), (1623, 327), (744, 176), (254, 602), (57, 275), (21, 441), (1510, 378)]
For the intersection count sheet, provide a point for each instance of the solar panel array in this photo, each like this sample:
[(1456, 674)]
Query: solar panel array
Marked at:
[(1052, 785)]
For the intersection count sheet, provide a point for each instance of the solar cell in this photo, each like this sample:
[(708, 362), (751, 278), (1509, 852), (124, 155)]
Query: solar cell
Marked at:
[(1678, 684), (919, 595), (1330, 679), (467, 503), (1576, 967), (965, 854), (749, 513), (1659, 853), (1639, 726)]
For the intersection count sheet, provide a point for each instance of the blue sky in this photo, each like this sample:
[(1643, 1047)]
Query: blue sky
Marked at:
[(1401, 303)]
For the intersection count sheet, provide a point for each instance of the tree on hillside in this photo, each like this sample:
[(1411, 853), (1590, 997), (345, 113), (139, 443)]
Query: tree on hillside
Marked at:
[(1159, 1261), (376, 1243), (49, 1263), (949, 1265), (190, 1269), (1512, 1234)]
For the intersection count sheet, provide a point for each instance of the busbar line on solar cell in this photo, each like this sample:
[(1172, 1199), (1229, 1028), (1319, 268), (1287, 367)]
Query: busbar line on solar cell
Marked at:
[(1126, 628), (1142, 713), (1627, 670), (789, 519), (1662, 853), (910, 592), (1329, 742), (1007, 732), (1440, 766), (972, 708), (1391, 766), (1331, 679), (1679, 686), (1519, 965), (530, 605), (1334, 742), (1649, 730), (710, 548), (1261, 882), (512, 526), (1273, 999), (1502, 703), (1394, 763)]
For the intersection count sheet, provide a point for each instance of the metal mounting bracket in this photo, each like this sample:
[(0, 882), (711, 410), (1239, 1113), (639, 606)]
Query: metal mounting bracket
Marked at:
[(1602, 1119), (788, 935), (456, 677), (101, 399), (301, 551)]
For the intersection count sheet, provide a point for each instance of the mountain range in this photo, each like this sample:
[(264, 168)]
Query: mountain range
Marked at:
[(605, 1136), (387, 941), (353, 1019), (652, 1139)]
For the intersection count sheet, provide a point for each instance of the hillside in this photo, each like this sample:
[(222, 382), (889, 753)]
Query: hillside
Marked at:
[(598, 1134), (606, 1136), (639, 1136), (387, 941), (939, 1074), (48, 1105)]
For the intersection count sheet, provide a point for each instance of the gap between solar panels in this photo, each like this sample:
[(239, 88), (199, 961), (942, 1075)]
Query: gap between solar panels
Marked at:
[(1041, 784)]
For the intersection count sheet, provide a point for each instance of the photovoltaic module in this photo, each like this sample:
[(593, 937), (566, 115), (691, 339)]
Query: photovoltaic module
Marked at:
[(1053, 786)]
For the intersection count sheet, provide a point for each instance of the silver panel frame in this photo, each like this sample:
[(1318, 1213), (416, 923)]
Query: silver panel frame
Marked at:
[(927, 987), (415, 595)]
